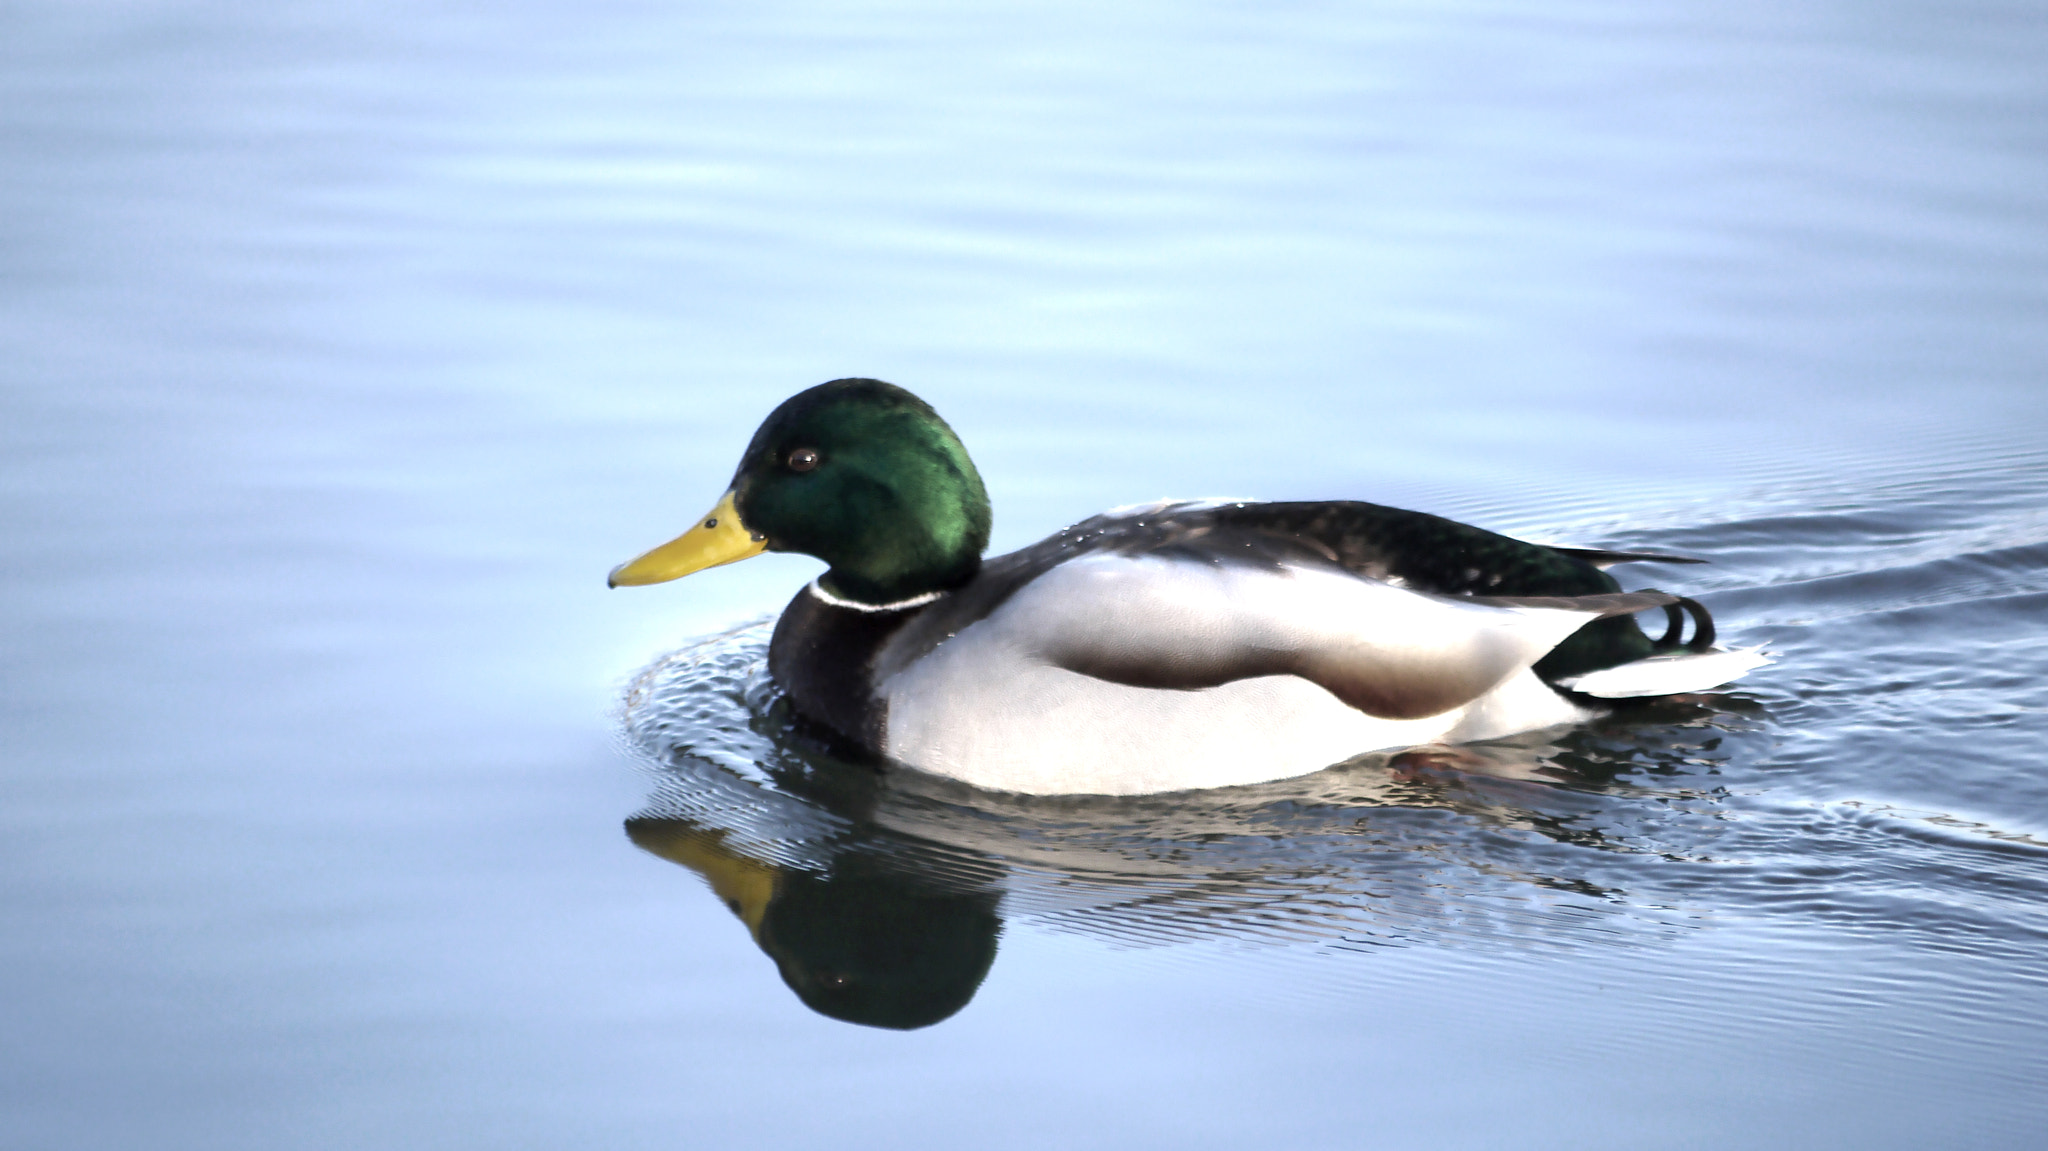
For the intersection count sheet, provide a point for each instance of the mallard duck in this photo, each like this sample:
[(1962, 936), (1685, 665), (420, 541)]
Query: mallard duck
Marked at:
[(1158, 648)]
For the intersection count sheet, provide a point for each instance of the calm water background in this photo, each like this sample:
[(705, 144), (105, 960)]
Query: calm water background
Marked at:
[(346, 347)]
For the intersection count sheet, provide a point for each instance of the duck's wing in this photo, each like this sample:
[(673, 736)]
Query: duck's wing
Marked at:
[(1407, 548), (1369, 545), (1417, 549), (1171, 622)]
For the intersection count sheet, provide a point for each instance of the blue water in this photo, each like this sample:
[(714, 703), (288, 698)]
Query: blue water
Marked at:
[(345, 348)]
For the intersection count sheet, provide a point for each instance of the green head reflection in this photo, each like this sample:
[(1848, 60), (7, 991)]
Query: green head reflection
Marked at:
[(866, 940)]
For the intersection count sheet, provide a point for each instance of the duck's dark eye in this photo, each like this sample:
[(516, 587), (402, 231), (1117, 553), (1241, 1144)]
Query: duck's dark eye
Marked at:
[(803, 459)]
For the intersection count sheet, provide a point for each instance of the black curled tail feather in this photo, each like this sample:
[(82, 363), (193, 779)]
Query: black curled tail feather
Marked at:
[(1674, 615)]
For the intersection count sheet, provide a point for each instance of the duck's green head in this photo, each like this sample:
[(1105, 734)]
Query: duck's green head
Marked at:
[(858, 473)]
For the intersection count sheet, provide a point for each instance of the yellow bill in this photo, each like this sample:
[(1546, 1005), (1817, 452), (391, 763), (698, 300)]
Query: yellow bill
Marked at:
[(746, 885), (718, 538)]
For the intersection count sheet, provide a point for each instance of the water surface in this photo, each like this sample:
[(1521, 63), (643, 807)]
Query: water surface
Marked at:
[(347, 347)]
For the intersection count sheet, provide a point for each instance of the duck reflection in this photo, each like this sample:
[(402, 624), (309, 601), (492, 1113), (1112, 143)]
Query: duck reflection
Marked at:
[(864, 940), (880, 896)]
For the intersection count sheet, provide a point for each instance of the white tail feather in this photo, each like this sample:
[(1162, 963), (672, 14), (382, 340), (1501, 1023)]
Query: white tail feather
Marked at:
[(1669, 674)]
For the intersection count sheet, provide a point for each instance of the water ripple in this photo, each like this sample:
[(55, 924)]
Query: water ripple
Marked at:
[(1879, 784)]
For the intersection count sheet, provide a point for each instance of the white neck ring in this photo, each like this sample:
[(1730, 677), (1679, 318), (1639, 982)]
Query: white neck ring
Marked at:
[(817, 589)]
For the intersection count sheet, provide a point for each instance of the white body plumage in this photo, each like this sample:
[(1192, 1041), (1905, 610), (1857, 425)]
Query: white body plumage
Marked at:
[(1001, 705)]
